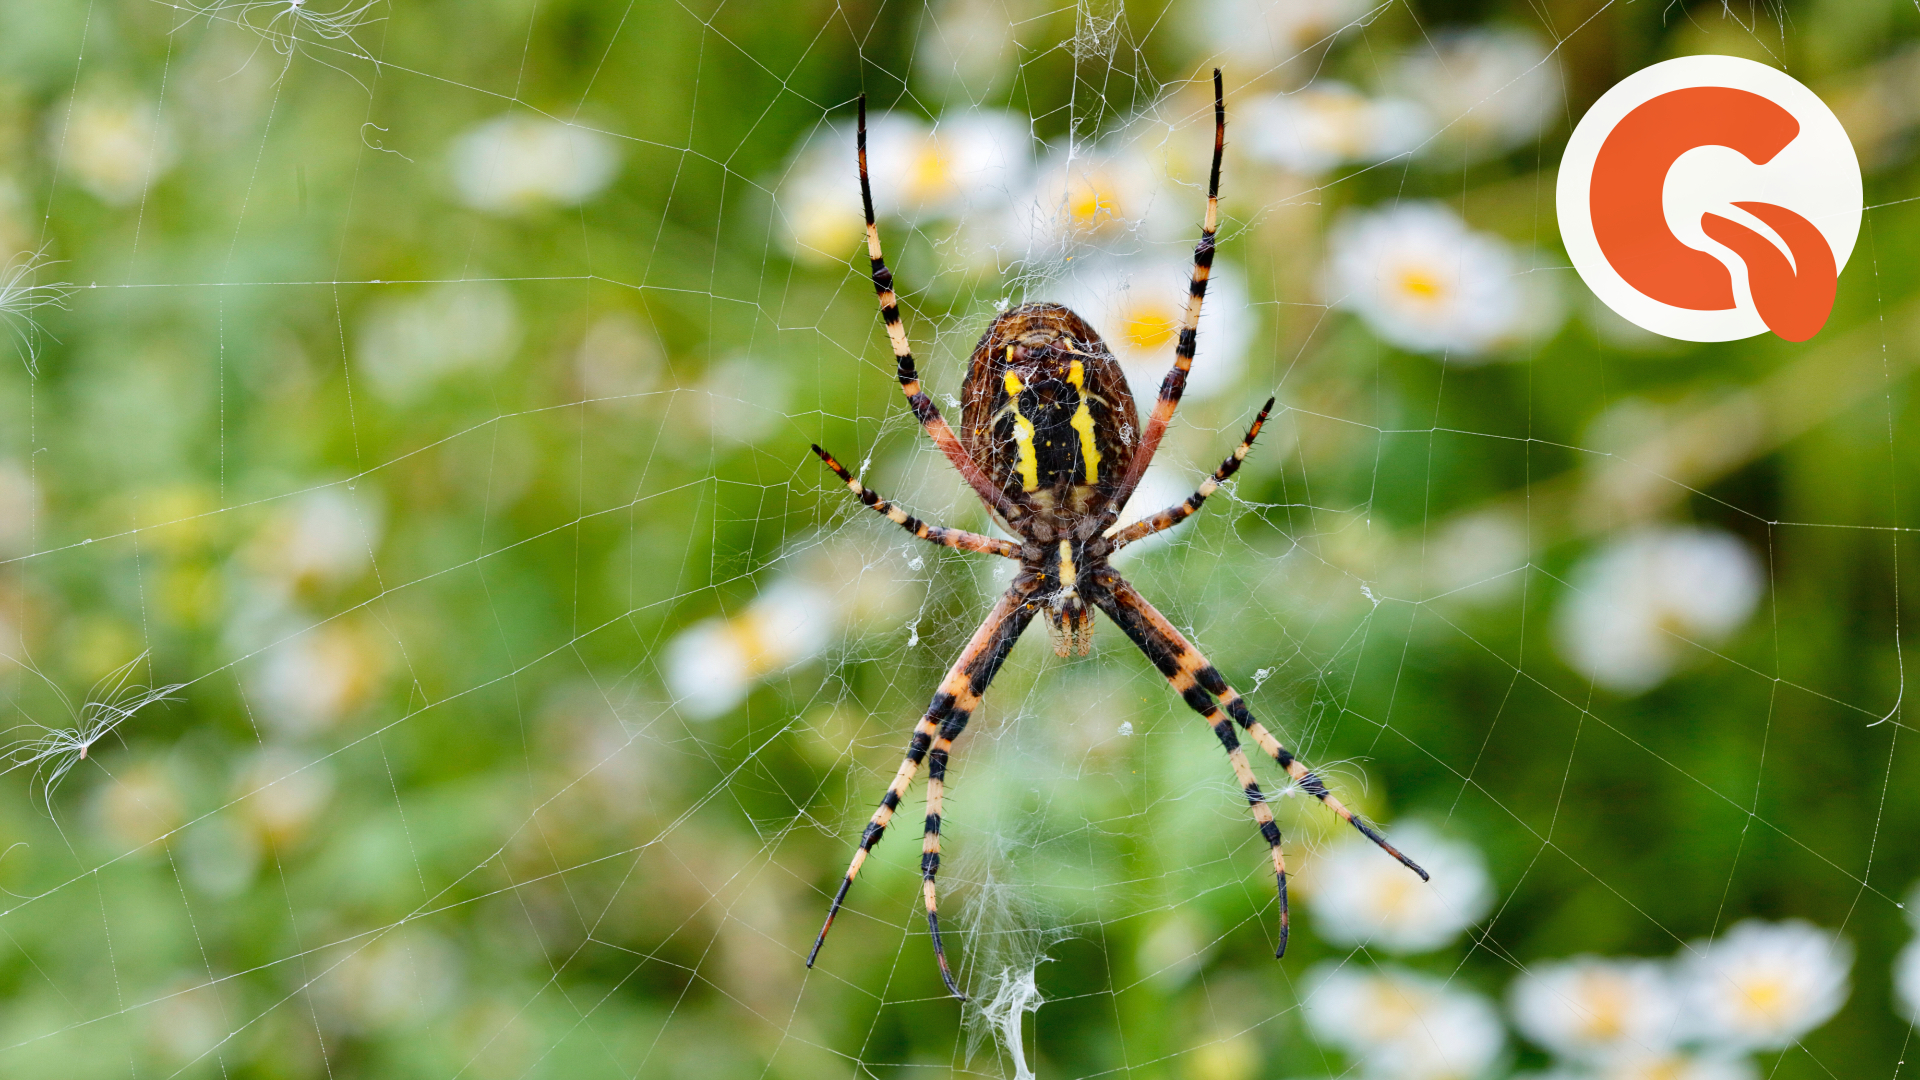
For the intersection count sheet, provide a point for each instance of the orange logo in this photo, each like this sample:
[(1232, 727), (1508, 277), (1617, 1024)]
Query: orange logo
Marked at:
[(1711, 198)]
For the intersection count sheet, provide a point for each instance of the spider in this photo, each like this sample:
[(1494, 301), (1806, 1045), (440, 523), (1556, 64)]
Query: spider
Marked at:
[(1050, 441)]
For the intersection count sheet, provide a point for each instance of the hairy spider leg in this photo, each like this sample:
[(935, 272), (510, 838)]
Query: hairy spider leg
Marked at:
[(958, 539), (1136, 626), (953, 705), (923, 407), (1198, 683), (1175, 383), (1179, 512)]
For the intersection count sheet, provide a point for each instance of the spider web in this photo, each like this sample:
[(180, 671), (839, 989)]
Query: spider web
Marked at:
[(439, 509)]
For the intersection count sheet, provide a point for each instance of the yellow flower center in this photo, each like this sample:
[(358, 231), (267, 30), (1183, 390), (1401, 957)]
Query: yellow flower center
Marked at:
[(1766, 996), (930, 175), (1422, 284), (1148, 327), (1092, 198)]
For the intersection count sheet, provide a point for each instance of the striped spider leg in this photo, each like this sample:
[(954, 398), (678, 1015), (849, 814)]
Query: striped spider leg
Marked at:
[(933, 737), (1199, 684)]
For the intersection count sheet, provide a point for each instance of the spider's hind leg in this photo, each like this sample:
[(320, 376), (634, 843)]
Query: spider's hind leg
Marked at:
[(1199, 683), (953, 705)]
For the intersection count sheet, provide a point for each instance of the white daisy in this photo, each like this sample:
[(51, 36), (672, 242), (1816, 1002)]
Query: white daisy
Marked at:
[(966, 162), (115, 146), (1489, 89), (1592, 1008), (1677, 1065), (1636, 605), (619, 360), (967, 165), (1328, 123), (1762, 985), (1906, 981), (515, 163), (393, 981), (1257, 35), (1426, 282), (1359, 898), (325, 537), (281, 793), (710, 666), (1137, 305), (1093, 196), (1478, 558), (739, 401), (308, 683), (139, 805), (407, 344), (1401, 1024)]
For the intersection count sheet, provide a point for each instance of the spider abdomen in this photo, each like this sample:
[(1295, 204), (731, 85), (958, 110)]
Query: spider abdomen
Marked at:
[(1046, 414)]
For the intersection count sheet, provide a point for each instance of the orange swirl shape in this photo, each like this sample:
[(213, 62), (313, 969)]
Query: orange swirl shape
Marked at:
[(1629, 175)]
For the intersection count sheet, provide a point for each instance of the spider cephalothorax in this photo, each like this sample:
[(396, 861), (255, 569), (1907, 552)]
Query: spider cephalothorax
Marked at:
[(1050, 441)]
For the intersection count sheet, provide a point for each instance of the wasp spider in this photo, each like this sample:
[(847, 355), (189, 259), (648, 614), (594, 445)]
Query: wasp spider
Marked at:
[(1051, 442)]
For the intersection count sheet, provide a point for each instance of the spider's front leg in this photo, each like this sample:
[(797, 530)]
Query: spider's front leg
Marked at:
[(1199, 683), (1179, 512), (952, 707), (959, 539)]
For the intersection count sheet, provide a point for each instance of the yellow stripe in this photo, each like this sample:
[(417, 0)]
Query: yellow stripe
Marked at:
[(1029, 463), (1082, 422)]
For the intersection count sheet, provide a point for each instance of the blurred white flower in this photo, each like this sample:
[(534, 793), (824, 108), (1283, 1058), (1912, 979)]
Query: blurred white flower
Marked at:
[(1402, 1025), (1676, 1065), (393, 981), (116, 146), (187, 1021), (140, 805), (966, 162), (1478, 557), (739, 400), (1090, 195), (310, 682), (1137, 305), (1906, 981), (1426, 282), (324, 537), (1258, 35), (710, 666), (456, 328), (967, 165), (1488, 89), (619, 359), (281, 792), (1636, 604), (966, 48), (1360, 897), (1762, 985), (19, 508), (1592, 1008), (1328, 123), (514, 163)]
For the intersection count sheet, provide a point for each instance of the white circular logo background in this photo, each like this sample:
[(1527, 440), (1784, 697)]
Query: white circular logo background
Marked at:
[(1816, 176)]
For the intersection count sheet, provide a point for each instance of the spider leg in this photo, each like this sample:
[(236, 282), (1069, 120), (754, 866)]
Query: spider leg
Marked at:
[(938, 534), (923, 407), (1175, 383), (1199, 682), (1174, 515), (953, 705)]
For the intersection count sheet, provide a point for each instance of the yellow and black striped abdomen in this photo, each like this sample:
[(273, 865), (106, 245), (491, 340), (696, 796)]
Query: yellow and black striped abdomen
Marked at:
[(1046, 412)]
